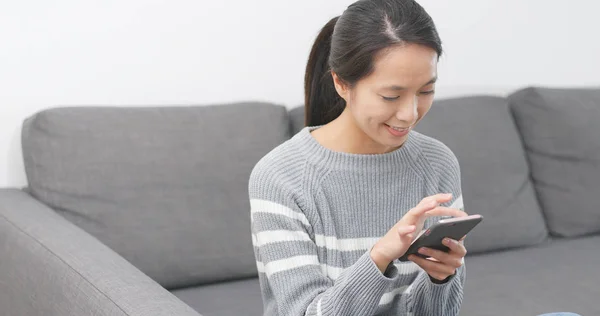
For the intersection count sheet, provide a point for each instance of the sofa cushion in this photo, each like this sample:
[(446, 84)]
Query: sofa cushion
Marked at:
[(558, 276), (297, 119), (224, 299), (495, 176), (561, 134), (165, 187)]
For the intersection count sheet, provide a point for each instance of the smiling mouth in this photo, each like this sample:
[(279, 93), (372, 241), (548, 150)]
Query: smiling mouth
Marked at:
[(399, 129)]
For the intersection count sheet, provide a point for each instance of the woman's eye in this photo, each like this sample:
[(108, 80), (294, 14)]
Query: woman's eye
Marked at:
[(390, 98), (428, 92)]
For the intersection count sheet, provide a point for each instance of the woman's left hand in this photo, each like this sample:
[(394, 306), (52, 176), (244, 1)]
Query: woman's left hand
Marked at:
[(441, 265)]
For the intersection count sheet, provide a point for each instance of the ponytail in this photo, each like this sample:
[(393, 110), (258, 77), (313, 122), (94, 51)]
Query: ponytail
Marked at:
[(322, 104)]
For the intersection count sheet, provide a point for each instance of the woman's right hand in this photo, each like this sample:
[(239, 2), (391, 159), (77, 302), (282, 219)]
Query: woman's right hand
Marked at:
[(397, 240)]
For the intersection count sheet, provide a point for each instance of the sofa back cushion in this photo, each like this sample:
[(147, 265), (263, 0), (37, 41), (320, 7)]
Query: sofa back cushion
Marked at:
[(296, 119), (495, 176), (561, 134), (165, 187)]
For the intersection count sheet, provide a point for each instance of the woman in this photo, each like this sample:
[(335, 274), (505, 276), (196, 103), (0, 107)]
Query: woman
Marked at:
[(336, 205)]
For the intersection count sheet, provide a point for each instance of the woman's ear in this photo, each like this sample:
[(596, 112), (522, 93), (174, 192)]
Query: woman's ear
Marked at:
[(340, 86)]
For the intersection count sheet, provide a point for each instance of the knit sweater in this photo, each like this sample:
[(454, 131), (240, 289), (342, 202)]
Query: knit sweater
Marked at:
[(316, 213)]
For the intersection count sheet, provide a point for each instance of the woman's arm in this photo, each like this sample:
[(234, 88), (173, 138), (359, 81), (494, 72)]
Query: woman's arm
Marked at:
[(429, 296), (292, 279)]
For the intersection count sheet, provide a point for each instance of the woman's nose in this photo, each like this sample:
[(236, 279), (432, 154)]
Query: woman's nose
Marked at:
[(407, 111)]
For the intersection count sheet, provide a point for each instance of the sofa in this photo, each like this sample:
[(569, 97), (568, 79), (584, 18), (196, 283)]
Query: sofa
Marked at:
[(144, 210)]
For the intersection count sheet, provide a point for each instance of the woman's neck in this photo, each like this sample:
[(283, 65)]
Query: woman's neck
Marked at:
[(344, 135)]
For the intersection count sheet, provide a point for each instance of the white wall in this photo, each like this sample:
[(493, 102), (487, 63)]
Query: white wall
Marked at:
[(138, 52)]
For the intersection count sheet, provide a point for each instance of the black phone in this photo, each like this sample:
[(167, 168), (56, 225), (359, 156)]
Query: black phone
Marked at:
[(453, 228)]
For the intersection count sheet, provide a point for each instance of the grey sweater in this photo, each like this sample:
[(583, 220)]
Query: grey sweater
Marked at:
[(316, 213)]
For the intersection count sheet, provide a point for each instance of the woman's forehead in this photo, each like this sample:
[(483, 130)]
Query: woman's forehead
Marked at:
[(405, 65)]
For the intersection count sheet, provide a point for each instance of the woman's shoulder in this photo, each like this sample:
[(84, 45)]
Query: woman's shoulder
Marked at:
[(283, 162), (435, 151)]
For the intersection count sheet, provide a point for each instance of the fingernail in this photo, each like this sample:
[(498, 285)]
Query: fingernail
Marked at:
[(449, 195), (423, 251), (447, 241)]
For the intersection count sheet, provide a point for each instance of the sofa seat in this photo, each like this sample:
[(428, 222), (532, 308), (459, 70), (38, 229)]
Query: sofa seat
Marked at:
[(560, 275), (224, 299)]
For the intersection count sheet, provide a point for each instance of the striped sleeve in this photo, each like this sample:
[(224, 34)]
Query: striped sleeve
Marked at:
[(293, 280), (426, 297)]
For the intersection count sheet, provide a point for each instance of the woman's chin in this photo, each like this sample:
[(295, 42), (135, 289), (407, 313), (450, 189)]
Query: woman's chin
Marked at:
[(394, 143)]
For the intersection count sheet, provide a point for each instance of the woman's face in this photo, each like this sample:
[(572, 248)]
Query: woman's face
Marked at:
[(389, 102)]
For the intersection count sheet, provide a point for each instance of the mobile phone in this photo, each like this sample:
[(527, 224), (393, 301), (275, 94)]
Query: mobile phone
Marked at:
[(453, 228)]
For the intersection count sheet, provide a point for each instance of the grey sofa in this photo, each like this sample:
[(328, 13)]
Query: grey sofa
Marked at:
[(144, 211)]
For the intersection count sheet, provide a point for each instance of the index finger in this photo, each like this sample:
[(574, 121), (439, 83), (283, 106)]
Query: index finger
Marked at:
[(427, 204), (445, 211)]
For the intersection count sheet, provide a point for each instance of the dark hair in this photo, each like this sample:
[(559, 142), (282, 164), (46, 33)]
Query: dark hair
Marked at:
[(349, 43)]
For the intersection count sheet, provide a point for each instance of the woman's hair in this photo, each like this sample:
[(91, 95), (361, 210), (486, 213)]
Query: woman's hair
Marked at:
[(349, 43)]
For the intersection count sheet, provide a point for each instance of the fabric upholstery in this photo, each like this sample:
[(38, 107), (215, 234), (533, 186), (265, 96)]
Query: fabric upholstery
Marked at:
[(49, 266), (560, 276), (495, 175), (561, 134), (165, 187), (296, 119), (224, 299), (556, 275)]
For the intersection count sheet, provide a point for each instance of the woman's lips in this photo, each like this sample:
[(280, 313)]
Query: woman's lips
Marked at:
[(398, 131)]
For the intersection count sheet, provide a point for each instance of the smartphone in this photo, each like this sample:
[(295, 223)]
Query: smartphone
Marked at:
[(453, 228)]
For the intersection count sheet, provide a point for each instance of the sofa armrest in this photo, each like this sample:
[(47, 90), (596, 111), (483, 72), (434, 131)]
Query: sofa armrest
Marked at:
[(49, 266)]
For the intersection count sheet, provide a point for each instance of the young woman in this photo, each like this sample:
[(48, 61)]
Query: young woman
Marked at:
[(334, 207)]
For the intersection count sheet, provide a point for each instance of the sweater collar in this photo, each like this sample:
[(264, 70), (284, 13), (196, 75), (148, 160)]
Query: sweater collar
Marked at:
[(320, 155)]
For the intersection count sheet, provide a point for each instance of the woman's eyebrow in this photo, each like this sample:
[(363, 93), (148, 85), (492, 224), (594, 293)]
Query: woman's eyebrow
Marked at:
[(398, 88)]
